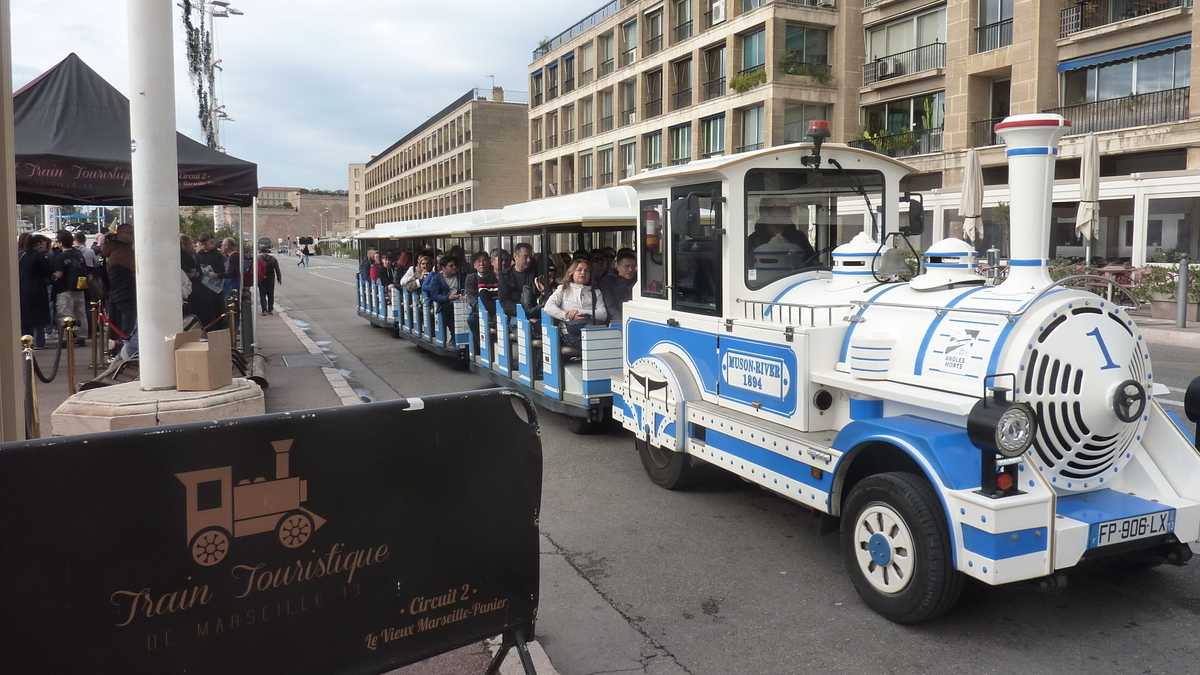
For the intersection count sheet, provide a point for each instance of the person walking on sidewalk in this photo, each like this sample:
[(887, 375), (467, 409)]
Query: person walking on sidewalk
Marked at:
[(267, 269), (206, 292), (119, 264), (35, 270), (304, 253), (70, 284)]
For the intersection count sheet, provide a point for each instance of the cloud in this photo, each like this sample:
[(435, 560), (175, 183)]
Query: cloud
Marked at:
[(313, 85)]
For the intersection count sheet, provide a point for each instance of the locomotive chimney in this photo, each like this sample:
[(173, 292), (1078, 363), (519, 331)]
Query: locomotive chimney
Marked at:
[(282, 458), (1032, 142)]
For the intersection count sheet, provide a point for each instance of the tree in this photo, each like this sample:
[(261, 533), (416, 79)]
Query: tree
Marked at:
[(195, 223)]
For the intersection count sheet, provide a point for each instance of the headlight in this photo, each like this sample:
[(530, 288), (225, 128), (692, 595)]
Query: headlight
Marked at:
[(1002, 427)]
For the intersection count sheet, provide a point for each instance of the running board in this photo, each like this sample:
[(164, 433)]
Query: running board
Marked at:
[(814, 448)]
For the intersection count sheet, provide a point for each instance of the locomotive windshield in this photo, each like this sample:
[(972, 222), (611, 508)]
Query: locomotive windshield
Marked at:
[(792, 219)]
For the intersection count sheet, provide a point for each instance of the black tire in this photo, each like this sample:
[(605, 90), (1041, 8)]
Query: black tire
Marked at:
[(581, 426), (667, 468), (933, 585)]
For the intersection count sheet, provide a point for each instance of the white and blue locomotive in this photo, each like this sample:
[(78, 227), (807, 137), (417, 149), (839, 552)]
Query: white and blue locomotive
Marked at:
[(957, 426)]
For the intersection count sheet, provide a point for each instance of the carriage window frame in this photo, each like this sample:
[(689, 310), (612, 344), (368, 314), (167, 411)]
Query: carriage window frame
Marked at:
[(713, 191), (644, 262)]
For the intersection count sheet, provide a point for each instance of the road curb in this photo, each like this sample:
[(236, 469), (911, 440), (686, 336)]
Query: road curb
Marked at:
[(1175, 338), (341, 387)]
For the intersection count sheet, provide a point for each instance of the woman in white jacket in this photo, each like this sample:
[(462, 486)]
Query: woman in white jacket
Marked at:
[(576, 300)]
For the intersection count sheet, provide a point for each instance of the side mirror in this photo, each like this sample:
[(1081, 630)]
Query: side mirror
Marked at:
[(916, 214)]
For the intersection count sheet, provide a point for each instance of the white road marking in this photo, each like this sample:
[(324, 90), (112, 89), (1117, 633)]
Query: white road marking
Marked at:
[(340, 281), (1167, 401)]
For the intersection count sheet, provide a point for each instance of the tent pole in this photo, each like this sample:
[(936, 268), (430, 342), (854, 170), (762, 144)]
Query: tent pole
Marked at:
[(155, 188), (254, 295), (12, 395)]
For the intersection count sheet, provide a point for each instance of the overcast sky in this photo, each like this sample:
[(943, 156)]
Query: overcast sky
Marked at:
[(314, 84)]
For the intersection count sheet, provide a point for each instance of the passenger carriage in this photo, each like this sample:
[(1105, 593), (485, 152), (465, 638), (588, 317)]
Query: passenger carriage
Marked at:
[(959, 427)]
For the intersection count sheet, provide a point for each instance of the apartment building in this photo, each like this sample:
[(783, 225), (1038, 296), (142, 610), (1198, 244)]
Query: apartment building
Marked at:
[(642, 83), (358, 196), (468, 156)]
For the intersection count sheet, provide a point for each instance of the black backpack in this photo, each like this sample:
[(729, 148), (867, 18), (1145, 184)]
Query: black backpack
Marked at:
[(75, 273)]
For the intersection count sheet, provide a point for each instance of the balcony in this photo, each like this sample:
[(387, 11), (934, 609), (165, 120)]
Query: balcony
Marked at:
[(928, 57), (568, 136), (749, 78), (714, 88), (682, 31), (552, 141), (586, 76), (537, 145), (680, 160), (628, 117), (1085, 15), (628, 56), (793, 63), (552, 93), (903, 144), (653, 45), (606, 67), (749, 148), (606, 178), (983, 132), (568, 85), (650, 166), (585, 130), (681, 99), (993, 36), (606, 124), (653, 107), (715, 152), (536, 100), (1158, 107)]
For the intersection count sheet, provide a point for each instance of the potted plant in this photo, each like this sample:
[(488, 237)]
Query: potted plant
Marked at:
[(744, 82), (793, 63), (1156, 286)]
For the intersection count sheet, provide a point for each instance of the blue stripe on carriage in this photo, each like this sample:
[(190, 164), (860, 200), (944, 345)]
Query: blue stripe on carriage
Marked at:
[(1002, 545)]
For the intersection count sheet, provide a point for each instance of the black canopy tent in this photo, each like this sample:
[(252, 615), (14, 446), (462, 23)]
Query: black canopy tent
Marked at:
[(72, 147)]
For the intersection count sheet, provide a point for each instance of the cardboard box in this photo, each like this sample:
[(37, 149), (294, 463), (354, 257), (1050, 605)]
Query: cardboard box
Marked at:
[(202, 366)]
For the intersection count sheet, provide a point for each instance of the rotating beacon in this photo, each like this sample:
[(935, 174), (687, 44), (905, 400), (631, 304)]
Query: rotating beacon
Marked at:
[(957, 428)]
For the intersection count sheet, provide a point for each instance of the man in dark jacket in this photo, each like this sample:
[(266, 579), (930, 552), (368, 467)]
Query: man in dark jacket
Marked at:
[(70, 283), (519, 285), (268, 272), (445, 287), (121, 300), (618, 286), (480, 285), (206, 294)]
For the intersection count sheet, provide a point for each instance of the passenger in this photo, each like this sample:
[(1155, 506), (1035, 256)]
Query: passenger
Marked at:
[(414, 279), (364, 267), (601, 266), (480, 285), (577, 303), (617, 287), (403, 262), (446, 287), (501, 261), (581, 254), (520, 285)]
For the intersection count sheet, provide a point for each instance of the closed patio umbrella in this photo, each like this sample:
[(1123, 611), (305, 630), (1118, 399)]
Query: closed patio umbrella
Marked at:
[(1088, 215), (970, 205)]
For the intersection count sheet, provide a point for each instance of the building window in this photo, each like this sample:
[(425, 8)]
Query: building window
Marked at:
[(754, 50), (629, 42), (654, 26), (714, 12), (585, 172), (995, 25), (1173, 229), (587, 64), (681, 95), (806, 50), (752, 128), (797, 116), (628, 158), (551, 81), (568, 73), (682, 11), (604, 160), (654, 92), (712, 136), (654, 262), (606, 110), (909, 45), (585, 117), (652, 149), (681, 144), (605, 46), (568, 124), (714, 72), (1117, 79), (628, 101)]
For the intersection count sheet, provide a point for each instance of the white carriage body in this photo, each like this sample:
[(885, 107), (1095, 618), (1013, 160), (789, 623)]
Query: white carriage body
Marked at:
[(790, 384)]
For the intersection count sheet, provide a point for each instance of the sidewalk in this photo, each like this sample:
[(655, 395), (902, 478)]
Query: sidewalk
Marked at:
[(1163, 331)]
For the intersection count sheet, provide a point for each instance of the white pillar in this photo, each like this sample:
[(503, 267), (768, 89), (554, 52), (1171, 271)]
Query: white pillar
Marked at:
[(155, 187)]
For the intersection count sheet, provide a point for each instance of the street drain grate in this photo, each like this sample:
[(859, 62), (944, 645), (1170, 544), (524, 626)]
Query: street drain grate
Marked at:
[(306, 361)]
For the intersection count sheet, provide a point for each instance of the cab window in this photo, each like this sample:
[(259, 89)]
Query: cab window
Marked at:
[(696, 253), (654, 260), (792, 218)]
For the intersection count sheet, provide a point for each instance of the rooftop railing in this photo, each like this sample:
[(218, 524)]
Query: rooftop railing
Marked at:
[(923, 58), (1095, 13), (1157, 107), (590, 21)]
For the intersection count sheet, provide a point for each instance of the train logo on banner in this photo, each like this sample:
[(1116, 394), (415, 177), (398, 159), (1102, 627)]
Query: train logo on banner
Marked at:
[(218, 511)]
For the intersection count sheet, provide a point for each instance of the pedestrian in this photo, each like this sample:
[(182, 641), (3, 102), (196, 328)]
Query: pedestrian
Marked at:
[(206, 295), (304, 253), (232, 276), (191, 271), (119, 264), (35, 270), (70, 278), (267, 269)]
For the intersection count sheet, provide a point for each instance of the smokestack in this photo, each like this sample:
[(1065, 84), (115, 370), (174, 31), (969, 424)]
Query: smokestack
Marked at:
[(1032, 142), (498, 94), (282, 455)]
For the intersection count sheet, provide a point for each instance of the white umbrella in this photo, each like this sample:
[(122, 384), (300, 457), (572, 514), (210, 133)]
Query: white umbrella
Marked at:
[(970, 206), (1089, 195)]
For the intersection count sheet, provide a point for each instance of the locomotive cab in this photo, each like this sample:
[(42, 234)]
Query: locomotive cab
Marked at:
[(956, 427)]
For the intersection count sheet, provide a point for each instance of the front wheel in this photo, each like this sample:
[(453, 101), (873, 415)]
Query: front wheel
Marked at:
[(667, 468), (897, 548)]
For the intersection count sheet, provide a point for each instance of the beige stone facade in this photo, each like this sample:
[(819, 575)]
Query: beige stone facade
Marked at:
[(468, 156), (285, 214), (356, 186), (918, 79)]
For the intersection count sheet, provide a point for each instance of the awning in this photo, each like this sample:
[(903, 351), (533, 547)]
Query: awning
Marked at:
[(1127, 53)]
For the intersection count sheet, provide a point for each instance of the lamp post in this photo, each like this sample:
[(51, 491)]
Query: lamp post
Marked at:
[(218, 9)]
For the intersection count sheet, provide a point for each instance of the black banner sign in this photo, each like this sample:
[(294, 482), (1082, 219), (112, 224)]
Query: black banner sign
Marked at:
[(350, 540)]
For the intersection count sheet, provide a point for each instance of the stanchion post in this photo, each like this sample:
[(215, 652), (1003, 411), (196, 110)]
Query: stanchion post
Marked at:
[(231, 319), (33, 427), (69, 328), (93, 335), (1181, 293)]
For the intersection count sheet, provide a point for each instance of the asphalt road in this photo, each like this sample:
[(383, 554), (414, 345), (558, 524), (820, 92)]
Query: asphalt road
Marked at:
[(729, 579)]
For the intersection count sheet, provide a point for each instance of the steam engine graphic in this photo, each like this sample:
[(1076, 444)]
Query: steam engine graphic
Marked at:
[(218, 511)]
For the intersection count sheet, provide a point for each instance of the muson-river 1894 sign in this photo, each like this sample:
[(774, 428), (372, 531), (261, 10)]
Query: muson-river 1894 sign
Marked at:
[(351, 540)]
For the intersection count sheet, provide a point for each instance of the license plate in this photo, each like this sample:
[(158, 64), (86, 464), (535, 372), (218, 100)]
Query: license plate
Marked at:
[(1134, 527)]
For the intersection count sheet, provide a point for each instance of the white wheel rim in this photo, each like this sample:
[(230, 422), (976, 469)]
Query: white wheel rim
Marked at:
[(884, 549)]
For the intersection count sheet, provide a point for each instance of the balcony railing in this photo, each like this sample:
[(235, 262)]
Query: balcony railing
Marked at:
[(653, 45), (681, 99), (653, 165), (916, 60), (682, 31), (568, 85), (585, 183), (552, 141), (983, 132), (552, 92), (606, 178), (1158, 107), (606, 123), (1085, 15), (748, 5), (606, 67), (537, 145), (993, 36), (714, 88), (568, 136), (903, 144), (586, 76), (750, 147), (676, 161), (653, 107), (628, 117), (628, 56), (537, 100), (590, 21), (585, 130), (715, 152)]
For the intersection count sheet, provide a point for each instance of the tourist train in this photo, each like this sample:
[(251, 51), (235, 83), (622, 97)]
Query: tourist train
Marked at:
[(958, 425)]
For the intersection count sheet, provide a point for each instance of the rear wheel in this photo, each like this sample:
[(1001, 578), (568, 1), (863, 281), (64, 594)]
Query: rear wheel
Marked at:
[(668, 469), (897, 548)]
